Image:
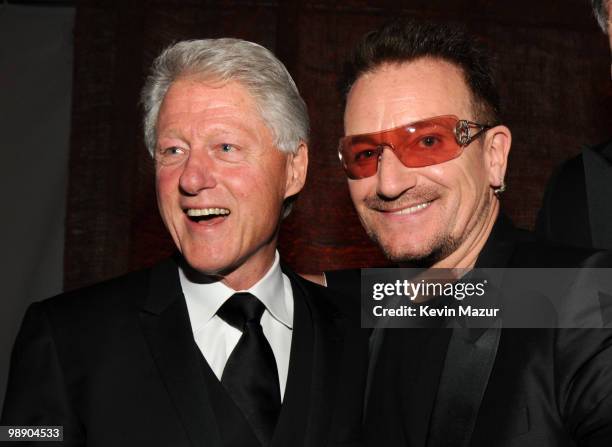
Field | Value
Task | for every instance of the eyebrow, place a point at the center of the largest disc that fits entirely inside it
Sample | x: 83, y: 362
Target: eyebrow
x: 367, y: 138
x: 233, y: 127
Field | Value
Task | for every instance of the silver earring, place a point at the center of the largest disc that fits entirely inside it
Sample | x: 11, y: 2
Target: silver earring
x: 502, y: 188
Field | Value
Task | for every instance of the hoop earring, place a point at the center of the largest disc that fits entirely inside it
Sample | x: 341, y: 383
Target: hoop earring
x: 500, y: 189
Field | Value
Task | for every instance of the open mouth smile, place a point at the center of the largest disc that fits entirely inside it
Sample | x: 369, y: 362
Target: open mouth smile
x: 206, y: 214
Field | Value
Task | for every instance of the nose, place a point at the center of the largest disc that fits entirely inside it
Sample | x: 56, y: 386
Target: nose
x: 199, y: 173
x: 393, y: 178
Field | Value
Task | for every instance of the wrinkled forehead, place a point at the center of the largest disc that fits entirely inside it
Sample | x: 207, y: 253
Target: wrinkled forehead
x: 202, y: 92
x: 396, y: 94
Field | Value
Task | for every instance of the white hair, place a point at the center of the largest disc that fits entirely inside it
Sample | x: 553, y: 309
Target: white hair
x: 600, y: 10
x: 253, y: 66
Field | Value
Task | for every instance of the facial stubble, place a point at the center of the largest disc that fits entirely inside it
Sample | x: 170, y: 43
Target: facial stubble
x: 441, y: 246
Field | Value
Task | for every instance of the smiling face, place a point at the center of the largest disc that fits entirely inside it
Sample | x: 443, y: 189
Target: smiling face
x: 435, y: 215
x: 220, y: 180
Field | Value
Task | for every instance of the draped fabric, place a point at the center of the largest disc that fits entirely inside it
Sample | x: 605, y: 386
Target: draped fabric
x: 553, y: 72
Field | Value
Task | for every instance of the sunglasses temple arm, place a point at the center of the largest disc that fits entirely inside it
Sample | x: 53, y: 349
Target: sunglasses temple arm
x: 482, y: 129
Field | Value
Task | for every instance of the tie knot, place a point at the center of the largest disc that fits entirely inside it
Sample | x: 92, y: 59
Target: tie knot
x: 240, y: 309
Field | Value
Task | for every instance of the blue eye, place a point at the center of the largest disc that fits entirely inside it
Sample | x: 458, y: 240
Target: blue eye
x: 172, y: 152
x: 171, y: 155
x: 225, y: 147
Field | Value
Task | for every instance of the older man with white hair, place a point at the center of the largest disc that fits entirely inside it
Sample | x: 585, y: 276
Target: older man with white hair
x: 222, y: 345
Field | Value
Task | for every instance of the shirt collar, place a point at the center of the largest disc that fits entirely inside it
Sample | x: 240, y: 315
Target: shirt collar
x: 204, y: 299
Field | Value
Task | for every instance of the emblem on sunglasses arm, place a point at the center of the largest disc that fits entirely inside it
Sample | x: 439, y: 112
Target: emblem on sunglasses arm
x: 462, y: 132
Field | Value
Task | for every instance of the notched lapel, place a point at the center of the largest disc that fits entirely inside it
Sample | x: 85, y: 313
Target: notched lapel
x: 166, y: 327
x: 467, y: 368
x: 316, y: 356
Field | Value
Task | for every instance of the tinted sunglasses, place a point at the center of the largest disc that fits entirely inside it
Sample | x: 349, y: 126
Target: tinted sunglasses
x: 424, y: 143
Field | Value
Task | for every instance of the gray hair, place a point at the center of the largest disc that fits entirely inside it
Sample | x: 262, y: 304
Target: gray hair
x: 600, y: 9
x: 255, y: 67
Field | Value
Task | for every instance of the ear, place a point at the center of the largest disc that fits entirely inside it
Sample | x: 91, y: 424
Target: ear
x: 297, y: 165
x: 496, y: 150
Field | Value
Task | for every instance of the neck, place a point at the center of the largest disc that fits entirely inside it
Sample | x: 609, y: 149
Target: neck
x: 241, y: 277
x: 250, y: 271
x: 466, y: 255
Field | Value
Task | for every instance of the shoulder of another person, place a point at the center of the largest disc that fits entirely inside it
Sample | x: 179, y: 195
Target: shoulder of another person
x: 604, y: 149
x: 344, y: 280
x: 538, y: 254
x: 328, y: 300
x: 569, y: 171
x: 583, y: 364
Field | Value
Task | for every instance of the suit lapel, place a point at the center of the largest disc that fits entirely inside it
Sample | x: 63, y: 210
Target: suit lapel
x: 469, y: 360
x: 316, y: 350
x: 166, y: 327
x: 291, y: 426
x: 470, y: 357
x: 374, y: 346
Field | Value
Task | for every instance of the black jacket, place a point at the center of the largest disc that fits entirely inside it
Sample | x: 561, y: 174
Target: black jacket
x: 577, y: 209
x: 116, y: 364
x: 495, y: 387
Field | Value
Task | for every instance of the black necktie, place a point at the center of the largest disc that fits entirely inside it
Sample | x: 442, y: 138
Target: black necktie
x: 250, y: 375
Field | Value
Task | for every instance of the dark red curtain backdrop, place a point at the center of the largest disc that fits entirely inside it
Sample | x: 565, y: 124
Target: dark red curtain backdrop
x: 553, y: 72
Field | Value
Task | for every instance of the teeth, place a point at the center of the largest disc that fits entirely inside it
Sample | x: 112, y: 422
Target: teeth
x: 207, y: 211
x: 413, y: 209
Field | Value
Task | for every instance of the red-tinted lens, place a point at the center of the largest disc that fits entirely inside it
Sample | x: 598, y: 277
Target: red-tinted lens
x: 419, y: 144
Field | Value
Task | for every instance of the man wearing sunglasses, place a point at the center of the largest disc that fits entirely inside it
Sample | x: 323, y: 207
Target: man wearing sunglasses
x: 425, y: 154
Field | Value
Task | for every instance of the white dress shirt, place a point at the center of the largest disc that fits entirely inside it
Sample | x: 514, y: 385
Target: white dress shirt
x: 216, y: 338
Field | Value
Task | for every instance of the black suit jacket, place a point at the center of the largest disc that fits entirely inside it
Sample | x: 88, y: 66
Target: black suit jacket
x: 495, y: 387
x: 576, y: 209
x: 116, y: 364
